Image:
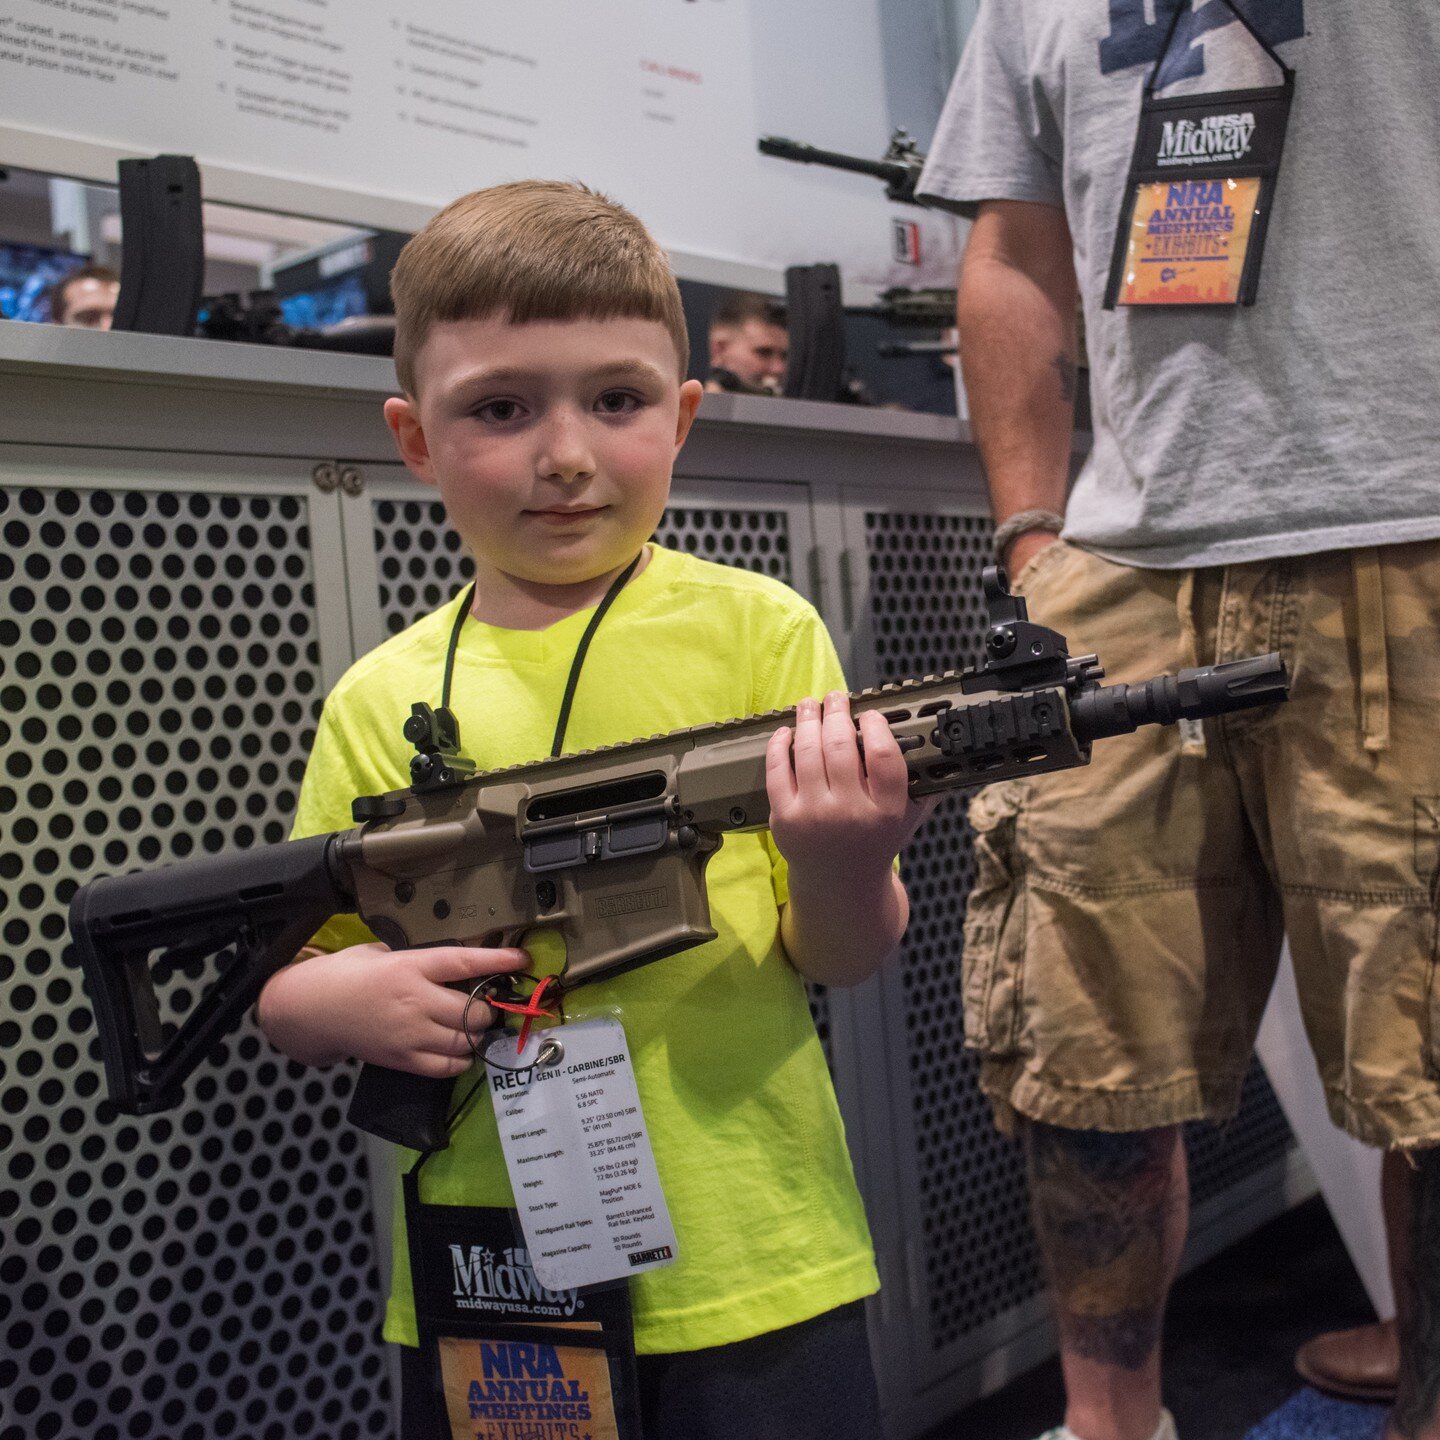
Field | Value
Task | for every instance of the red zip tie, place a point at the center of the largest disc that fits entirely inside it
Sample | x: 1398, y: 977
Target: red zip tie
x: 532, y: 1010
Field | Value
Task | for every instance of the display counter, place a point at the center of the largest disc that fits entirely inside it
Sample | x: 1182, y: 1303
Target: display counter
x: 160, y: 392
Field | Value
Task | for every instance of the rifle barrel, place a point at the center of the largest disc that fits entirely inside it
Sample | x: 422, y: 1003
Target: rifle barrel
x: 784, y: 149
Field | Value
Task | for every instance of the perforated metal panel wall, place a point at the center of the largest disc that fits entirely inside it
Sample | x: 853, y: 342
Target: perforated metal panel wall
x: 209, y: 1271
x: 1221, y: 1157
x: 980, y: 1261
x: 422, y: 565
x: 422, y: 562
x: 757, y: 540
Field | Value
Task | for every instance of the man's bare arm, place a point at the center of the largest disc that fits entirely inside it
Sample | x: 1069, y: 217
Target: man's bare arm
x: 1016, y: 315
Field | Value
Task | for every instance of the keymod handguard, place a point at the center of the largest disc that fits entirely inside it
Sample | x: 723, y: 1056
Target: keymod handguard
x: 608, y: 847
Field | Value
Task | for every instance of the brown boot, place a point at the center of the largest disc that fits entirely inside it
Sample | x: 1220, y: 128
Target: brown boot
x: 1361, y: 1364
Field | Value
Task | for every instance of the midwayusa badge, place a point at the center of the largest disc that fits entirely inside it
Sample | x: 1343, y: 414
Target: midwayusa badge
x: 1216, y: 137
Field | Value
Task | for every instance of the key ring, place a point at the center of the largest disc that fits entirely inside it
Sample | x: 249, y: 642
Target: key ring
x: 551, y: 1051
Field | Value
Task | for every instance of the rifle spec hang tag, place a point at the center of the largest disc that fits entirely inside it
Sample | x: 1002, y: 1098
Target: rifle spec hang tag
x: 578, y: 1155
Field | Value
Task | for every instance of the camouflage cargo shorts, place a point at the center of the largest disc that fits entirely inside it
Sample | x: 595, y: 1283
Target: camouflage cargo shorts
x: 1125, y: 926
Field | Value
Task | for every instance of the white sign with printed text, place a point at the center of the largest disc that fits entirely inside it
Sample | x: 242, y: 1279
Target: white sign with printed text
x: 658, y: 103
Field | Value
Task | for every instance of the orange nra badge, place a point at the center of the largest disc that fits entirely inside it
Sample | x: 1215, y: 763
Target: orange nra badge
x: 1187, y: 242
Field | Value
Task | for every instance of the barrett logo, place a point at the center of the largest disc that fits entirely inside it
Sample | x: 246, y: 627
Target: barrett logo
x: 635, y: 900
x: 486, y: 1281
x: 1216, y: 137
x: 646, y: 1257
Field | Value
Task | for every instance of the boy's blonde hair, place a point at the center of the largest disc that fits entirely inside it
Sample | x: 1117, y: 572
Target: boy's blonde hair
x: 531, y: 250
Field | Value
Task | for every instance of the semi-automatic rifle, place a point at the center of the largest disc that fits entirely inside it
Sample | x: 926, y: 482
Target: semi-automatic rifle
x: 932, y: 309
x: 899, y: 167
x: 608, y: 847
x: 905, y: 309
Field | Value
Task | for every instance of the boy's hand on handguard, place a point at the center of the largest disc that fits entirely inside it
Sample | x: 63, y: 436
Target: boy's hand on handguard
x: 833, y: 812
x: 839, y: 819
x: 394, y: 1008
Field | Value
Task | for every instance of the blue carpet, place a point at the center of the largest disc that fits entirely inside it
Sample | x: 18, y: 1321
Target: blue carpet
x: 1309, y: 1416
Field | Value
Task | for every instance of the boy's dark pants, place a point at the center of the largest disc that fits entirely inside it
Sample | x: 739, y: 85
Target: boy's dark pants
x: 812, y: 1379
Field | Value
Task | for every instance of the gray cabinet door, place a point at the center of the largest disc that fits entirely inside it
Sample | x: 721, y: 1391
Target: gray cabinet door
x: 956, y: 1241
x: 165, y: 644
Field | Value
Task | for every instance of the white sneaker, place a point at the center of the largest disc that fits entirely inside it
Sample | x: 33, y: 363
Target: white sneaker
x: 1165, y: 1430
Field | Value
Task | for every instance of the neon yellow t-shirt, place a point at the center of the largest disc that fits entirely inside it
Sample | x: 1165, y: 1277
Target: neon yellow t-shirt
x: 747, y: 1135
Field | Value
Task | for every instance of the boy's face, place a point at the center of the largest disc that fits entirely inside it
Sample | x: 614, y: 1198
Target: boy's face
x: 551, y: 443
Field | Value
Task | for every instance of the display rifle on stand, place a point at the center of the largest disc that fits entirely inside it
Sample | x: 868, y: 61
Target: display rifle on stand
x: 929, y: 309
x: 899, y: 167
x: 608, y: 846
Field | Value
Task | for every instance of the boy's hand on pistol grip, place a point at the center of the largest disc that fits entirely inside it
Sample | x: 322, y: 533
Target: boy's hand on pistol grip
x: 833, y: 811
x: 393, y: 1008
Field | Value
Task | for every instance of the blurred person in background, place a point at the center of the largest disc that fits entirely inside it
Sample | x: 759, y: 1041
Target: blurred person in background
x: 86, y: 298
x: 748, y: 345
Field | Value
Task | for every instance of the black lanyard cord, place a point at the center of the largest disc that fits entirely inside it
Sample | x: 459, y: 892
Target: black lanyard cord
x: 454, y: 645
x: 1240, y: 15
x: 611, y: 595
x: 461, y: 1110
x: 563, y: 721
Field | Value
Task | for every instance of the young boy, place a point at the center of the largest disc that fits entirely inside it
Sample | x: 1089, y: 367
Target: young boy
x: 542, y: 352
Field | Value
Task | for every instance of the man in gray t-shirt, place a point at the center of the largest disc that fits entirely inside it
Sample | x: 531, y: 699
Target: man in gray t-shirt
x: 1308, y: 422
x: 1261, y: 477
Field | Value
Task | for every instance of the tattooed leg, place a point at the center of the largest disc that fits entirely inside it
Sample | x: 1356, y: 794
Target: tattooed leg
x: 1109, y: 1212
x: 1417, y: 1405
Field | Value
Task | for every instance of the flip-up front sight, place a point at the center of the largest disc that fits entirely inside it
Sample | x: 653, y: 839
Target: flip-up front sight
x: 435, y: 734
